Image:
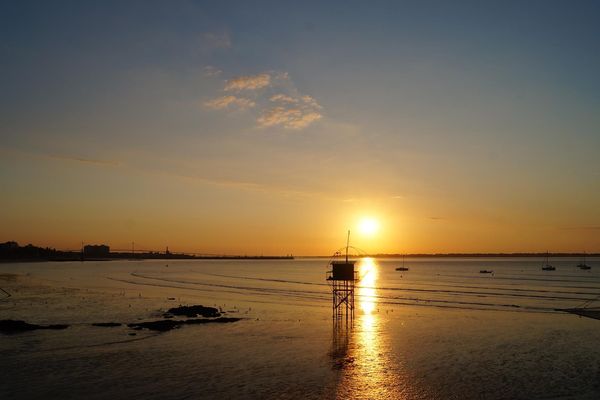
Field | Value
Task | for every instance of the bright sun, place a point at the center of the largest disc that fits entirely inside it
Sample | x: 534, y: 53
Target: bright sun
x: 368, y: 226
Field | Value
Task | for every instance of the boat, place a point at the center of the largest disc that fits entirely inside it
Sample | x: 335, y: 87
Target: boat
x: 583, y: 265
x: 546, y: 266
x: 402, y: 268
x: 486, y: 271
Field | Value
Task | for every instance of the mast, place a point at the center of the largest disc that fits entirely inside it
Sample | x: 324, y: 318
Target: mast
x: 347, y: 245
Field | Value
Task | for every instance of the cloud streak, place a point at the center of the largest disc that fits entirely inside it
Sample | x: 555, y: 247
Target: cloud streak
x: 216, y: 40
x: 283, y: 98
x: 211, y: 71
x: 277, y: 101
x: 291, y: 118
x: 86, y: 160
x: 292, y: 113
x: 582, y: 228
x: 248, y: 82
x: 227, y: 101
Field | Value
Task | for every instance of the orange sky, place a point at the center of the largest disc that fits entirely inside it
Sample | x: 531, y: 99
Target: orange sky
x: 74, y: 201
x: 239, y: 130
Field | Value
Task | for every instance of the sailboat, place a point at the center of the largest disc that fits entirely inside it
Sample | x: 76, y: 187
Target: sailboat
x: 583, y: 265
x: 546, y: 266
x: 402, y: 268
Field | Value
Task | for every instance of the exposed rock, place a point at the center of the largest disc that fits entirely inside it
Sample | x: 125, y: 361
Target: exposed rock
x: 194, y: 311
x: 221, y: 320
x: 161, y: 325
x: 167, y: 325
x: 107, y: 324
x: 9, y: 326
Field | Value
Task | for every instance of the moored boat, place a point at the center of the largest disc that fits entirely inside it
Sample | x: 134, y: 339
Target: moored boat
x: 583, y: 265
x: 402, y: 268
x: 546, y: 266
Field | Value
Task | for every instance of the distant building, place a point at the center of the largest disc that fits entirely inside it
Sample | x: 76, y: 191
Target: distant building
x: 96, y: 251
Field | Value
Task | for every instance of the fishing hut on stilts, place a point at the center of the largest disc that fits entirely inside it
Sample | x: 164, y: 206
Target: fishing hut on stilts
x: 342, y: 279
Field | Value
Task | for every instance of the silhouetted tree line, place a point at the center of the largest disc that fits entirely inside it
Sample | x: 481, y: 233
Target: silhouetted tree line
x: 12, y: 251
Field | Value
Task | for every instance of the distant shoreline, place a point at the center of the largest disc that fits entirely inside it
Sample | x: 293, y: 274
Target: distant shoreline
x: 12, y: 252
x: 141, y: 258
x: 467, y: 255
x: 75, y: 257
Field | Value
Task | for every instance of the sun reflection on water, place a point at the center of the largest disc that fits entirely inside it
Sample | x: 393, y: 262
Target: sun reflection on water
x: 367, y: 292
x: 367, y: 370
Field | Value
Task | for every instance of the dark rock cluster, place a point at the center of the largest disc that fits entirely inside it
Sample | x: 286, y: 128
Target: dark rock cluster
x: 209, y: 314
x: 107, y: 324
x: 9, y: 326
x: 168, y: 324
x: 193, y: 311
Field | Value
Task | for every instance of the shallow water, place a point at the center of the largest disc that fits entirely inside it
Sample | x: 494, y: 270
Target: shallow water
x: 441, y: 330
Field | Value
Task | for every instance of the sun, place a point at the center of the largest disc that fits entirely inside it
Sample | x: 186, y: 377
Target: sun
x: 368, y: 226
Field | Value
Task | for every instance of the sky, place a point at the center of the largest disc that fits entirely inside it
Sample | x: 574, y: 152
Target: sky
x: 274, y: 127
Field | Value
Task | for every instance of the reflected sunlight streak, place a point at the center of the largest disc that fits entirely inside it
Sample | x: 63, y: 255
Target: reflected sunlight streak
x: 367, y: 291
x: 372, y: 379
x: 372, y: 375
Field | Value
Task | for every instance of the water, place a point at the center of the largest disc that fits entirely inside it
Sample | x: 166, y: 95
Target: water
x: 441, y: 330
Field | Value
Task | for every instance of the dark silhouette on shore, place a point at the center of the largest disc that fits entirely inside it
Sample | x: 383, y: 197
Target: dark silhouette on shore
x: 11, y: 251
x: 209, y: 315
x: 10, y: 326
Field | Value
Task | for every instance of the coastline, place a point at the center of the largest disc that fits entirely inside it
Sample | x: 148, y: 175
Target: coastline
x: 77, y: 257
x: 467, y: 255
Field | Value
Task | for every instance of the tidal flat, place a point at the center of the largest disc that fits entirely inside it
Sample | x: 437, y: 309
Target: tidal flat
x: 438, y: 331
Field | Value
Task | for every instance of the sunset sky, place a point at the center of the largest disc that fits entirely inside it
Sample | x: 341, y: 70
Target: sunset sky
x: 273, y: 127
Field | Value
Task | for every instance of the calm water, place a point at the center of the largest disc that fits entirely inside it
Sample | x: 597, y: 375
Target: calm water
x: 439, y: 331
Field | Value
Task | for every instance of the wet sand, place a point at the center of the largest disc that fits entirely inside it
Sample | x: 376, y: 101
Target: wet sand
x: 438, y: 331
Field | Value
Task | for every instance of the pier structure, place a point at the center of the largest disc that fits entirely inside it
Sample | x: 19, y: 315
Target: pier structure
x: 342, y: 279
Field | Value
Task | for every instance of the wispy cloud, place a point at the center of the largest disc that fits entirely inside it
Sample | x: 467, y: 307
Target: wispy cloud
x: 248, y: 82
x: 311, y: 102
x: 58, y: 157
x: 296, y: 113
x: 283, y: 98
x: 227, y: 101
x: 211, y: 71
x: 216, y: 40
x: 291, y: 118
x: 582, y: 228
x: 282, y: 105
x: 85, y: 160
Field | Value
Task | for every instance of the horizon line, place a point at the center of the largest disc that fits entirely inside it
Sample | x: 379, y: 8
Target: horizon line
x: 374, y: 255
